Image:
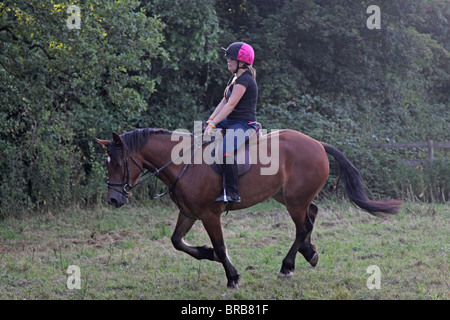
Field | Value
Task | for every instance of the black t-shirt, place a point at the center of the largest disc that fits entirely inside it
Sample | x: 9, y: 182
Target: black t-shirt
x: 246, y: 107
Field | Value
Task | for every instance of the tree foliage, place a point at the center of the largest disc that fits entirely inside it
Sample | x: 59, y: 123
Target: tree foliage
x: 158, y: 63
x: 61, y: 87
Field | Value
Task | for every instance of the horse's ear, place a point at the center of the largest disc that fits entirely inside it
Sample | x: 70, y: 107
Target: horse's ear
x: 117, y: 139
x: 104, y: 143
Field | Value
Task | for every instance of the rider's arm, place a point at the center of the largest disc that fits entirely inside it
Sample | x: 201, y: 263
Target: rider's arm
x: 228, y: 107
x: 217, y: 110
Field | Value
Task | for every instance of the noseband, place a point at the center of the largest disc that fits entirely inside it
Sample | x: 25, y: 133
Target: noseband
x: 126, y: 187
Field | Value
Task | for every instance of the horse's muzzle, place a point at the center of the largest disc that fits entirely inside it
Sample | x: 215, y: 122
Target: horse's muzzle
x: 117, y: 200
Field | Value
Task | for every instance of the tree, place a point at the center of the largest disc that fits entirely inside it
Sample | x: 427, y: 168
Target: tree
x: 62, y: 87
x: 187, y: 72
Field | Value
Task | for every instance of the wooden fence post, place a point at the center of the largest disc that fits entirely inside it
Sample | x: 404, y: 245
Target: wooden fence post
x: 430, y: 153
x: 430, y: 144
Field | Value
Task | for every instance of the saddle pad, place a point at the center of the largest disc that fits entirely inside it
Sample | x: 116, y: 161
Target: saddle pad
x: 241, y: 157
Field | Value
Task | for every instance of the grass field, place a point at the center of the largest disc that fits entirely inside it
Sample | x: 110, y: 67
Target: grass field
x: 127, y: 254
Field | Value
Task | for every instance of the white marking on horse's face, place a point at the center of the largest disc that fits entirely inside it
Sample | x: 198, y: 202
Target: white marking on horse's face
x: 108, y: 159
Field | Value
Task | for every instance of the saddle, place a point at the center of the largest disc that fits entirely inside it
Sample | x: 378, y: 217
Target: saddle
x: 242, y: 155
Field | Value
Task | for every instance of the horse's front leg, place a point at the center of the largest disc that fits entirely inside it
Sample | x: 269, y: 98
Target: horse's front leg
x: 212, y: 224
x: 184, y: 224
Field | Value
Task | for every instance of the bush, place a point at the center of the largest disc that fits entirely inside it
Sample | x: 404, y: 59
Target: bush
x: 157, y: 63
x: 424, y: 183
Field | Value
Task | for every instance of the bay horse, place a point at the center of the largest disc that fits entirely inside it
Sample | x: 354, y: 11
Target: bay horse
x: 302, y: 172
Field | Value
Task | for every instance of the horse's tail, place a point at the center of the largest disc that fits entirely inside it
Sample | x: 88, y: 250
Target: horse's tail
x: 354, y: 186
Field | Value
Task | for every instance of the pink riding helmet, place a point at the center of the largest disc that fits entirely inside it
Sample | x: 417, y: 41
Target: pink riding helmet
x: 240, y: 51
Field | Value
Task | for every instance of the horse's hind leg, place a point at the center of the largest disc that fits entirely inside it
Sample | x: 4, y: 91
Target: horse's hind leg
x: 184, y: 224
x: 298, y: 215
x: 307, y: 249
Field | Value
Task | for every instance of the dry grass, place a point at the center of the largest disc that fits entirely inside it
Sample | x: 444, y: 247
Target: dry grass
x: 127, y: 254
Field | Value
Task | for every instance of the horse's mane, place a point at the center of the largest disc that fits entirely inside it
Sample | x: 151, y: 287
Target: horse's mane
x: 133, y: 141
x: 136, y: 139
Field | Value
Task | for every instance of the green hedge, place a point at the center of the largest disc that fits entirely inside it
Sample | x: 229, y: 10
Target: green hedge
x: 158, y: 63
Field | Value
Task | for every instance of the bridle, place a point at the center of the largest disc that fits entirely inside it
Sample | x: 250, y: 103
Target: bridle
x: 126, y: 187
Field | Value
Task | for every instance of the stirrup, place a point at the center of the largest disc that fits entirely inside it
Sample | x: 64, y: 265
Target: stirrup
x: 227, y: 199
x: 222, y: 198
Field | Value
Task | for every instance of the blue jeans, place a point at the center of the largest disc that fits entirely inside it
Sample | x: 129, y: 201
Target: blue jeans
x: 236, y: 134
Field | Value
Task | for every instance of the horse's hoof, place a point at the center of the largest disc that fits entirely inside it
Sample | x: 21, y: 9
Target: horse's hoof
x: 313, y: 261
x: 233, y: 283
x: 285, y: 274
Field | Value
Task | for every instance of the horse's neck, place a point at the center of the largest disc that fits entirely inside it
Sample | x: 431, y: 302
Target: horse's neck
x: 158, y: 153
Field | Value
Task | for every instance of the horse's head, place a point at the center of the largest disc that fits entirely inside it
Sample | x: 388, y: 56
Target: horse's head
x: 122, y: 174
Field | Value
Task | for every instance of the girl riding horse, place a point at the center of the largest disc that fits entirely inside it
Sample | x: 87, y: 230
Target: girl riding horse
x: 236, y: 111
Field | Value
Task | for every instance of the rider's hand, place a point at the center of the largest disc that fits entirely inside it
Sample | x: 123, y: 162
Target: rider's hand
x: 206, y: 124
x: 208, y: 130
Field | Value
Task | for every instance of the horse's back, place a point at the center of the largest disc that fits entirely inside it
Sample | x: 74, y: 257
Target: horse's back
x: 299, y: 143
x: 304, y: 157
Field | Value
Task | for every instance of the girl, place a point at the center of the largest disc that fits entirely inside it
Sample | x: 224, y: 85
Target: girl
x: 237, y: 110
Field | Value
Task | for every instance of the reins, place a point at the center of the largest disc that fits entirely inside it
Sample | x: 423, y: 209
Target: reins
x: 127, y: 188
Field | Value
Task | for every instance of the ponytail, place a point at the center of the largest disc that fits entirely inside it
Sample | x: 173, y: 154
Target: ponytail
x: 251, y: 70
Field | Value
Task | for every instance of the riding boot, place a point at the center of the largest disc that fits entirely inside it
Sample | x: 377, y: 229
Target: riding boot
x: 230, y: 189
